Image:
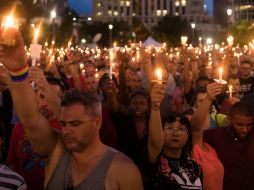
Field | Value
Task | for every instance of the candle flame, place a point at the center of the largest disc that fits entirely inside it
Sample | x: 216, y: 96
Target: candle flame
x: 9, y: 21
x: 159, y: 74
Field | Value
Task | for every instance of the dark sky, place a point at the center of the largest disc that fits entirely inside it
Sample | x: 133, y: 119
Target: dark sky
x: 85, y: 6
x: 81, y: 6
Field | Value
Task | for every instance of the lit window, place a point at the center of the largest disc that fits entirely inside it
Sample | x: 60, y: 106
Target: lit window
x: 165, y: 12
x: 110, y: 12
x: 158, y: 12
x: 176, y: 14
x: 133, y: 14
x: 128, y: 3
x: 122, y: 3
x: 99, y: 14
x: 99, y: 4
x: 177, y: 3
x: 183, y: 2
x: 115, y: 13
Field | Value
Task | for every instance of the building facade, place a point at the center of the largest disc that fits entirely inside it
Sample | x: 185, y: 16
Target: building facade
x: 243, y: 10
x: 151, y: 11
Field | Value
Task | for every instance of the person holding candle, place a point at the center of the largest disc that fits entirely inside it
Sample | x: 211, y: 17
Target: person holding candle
x: 76, y: 158
x: 170, y: 148
x: 227, y: 104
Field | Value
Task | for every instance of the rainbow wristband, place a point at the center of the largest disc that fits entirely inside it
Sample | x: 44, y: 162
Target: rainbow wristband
x: 19, y: 74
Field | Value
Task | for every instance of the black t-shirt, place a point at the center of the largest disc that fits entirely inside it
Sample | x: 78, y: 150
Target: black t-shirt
x: 237, y: 157
x: 247, y: 85
x: 177, y: 174
x: 128, y: 140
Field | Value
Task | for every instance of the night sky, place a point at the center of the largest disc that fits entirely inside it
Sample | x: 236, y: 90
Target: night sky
x: 85, y: 6
x: 81, y: 6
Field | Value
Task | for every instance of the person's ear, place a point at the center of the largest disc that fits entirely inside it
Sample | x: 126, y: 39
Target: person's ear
x: 97, y: 122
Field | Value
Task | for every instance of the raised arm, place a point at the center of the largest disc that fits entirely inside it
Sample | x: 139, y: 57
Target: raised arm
x: 109, y: 89
x: 54, y: 101
x: 36, y: 126
x: 199, y: 116
x: 155, y: 131
x: 186, y: 73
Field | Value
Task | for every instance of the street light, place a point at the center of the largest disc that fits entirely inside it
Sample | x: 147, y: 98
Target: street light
x: 110, y: 26
x: 229, y: 12
x: 193, y: 26
x: 53, y: 17
x: 229, y: 18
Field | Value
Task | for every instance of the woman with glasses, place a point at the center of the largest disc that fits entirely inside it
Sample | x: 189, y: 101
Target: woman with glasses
x: 170, y: 148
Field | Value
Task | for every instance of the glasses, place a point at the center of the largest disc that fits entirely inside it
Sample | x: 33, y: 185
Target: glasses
x: 181, y: 129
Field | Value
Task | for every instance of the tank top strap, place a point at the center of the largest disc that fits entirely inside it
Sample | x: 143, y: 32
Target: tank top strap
x: 96, y: 180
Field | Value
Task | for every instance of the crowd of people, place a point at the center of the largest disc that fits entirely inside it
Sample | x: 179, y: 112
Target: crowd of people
x: 90, y: 118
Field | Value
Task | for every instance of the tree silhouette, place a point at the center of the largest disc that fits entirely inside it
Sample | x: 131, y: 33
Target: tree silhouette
x: 170, y: 29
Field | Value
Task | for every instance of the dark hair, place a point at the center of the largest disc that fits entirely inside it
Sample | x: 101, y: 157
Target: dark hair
x: 90, y: 101
x: 241, y: 108
x: 140, y: 92
x: 60, y: 82
x: 201, y: 78
x: 188, y: 147
x: 198, y: 91
x: 246, y: 62
x: 2, y: 130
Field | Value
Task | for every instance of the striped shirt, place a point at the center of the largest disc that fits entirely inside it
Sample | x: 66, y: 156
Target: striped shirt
x: 10, y: 180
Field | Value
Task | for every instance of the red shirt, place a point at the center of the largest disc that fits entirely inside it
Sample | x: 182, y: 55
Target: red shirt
x: 24, y: 161
x: 237, y: 157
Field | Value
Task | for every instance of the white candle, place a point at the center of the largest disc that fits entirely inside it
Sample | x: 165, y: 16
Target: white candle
x: 159, y: 76
x: 7, y: 36
x: 36, y: 35
x: 230, y: 91
x: 184, y: 40
x: 230, y: 40
x: 220, y: 74
x: 111, y: 56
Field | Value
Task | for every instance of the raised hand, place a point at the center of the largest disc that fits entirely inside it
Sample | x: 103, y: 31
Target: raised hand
x: 213, y: 90
x: 157, y: 95
x: 36, y: 75
x: 13, y: 57
x: 108, y: 86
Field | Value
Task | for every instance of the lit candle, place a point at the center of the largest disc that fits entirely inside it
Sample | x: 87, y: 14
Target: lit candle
x: 81, y: 66
x: 230, y: 91
x: 111, y: 56
x: 184, y: 40
x: 69, y: 44
x: 35, y: 47
x: 7, y: 36
x: 159, y: 76
x: 230, y: 40
x: 36, y: 35
x: 220, y: 74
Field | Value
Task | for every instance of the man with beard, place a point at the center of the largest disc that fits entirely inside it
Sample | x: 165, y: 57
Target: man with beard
x: 76, y: 159
x: 21, y: 158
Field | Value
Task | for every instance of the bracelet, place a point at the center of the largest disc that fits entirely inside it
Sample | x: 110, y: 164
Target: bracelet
x: 19, y: 74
